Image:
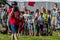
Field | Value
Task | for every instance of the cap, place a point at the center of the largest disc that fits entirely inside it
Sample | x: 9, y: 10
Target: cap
x: 14, y: 3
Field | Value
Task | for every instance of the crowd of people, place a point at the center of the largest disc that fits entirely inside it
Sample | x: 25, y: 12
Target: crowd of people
x: 27, y: 22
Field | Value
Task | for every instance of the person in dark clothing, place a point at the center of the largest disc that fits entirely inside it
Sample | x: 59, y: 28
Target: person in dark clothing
x: 4, y: 29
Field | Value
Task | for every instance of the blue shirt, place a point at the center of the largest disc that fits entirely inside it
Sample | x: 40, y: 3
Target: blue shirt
x: 41, y: 20
x: 58, y: 18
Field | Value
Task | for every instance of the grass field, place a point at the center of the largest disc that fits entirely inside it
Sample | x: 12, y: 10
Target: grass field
x: 54, y: 37
x: 8, y: 37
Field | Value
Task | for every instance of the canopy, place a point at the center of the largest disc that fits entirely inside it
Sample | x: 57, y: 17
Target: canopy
x: 35, y: 0
x: 28, y: 0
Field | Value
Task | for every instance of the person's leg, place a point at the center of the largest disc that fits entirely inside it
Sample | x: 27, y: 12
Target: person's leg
x: 52, y: 21
x: 14, y: 31
x: 41, y: 27
x: 12, y: 37
x: 55, y: 21
x: 35, y: 30
x: 31, y: 30
x: 15, y: 36
x: 29, y: 26
x: 39, y: 30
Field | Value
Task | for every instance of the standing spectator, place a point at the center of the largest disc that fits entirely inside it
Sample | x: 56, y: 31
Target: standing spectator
x: 21, y: 24
x: 14, y: 15
x: 54, y: 15
x: 40, y: 23
x: 49, y: 22
x: 36, y: 29
x: 45, y: 16
x: 30, y: 23
x: 26, y: 23
x: 58, y: 23
x: 4, y: 29
x: 4, y: 13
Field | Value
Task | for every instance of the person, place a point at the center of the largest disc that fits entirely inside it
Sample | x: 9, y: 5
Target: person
x: 30, y: 23
x: 45, y: 29
x: 21, y: 24
x: 45, y: 16
x: 14, y: 15
x: 4, y: 13
x: 58, y: 23
x: 4, y: 29
x: 36, y: 29
x: 26, y: 23
x: 49, y: 22
x: 54, y: 15
x: 40, y: 23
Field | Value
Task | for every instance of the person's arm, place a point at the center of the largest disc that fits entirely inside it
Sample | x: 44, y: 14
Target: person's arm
x: 10, y: 14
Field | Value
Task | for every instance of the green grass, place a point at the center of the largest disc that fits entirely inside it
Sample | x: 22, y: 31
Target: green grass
x: 54, y: 37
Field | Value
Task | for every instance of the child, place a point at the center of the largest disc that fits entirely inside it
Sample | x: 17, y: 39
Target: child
x: 58, y: 23
x: 40, y: 23
x: 4, y: 29
x: 49, y: 22
x: 21, y: 26
x: 30, y: 23
x: 45, y: 16
x: 45, y: 30
x: 26, y: 23
x: 36, y: 29
x: 54, y: 15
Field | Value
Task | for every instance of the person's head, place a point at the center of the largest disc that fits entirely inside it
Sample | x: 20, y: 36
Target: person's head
x: 32, y: 12
x: 49, y: 12
x: 28, y: 11
x: 24, y: 8
x: 22, y: 12
x: 43, y: 10
x: 41, y: 14
x: 55, y: 5
x: 54, y: 9
x: 4, y: 23
x: 14, y: 4
x: 37, y: 10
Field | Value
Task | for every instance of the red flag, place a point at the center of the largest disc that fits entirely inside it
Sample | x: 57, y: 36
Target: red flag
x: 31, y: 3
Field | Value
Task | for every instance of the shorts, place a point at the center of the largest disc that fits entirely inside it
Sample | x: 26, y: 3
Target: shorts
x: 41, y: 27
x: 58, y: 24
x: 36, y: 28
x: 26, y: 24
x: 14, y: 28
x: 30, y: 26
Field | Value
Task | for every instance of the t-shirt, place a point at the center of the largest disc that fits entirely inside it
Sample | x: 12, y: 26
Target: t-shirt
x: 58, y: 18
x: 55, y: 14
x: 40, y: 20
x: 45, y: 16
x: 14, y: 19
x: 30, y: 18
x: 49, y: 19
x: 25, y: 16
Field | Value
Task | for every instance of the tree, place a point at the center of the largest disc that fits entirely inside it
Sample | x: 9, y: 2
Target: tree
x: 2, y: 1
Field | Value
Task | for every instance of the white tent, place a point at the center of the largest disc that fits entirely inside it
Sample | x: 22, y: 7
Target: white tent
x: 28, y: 0
x: 48, y: 4
x: 35, y: 0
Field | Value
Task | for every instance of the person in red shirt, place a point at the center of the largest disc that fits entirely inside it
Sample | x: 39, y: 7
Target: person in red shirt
x: 14, y: 15
x: 21, y: 24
